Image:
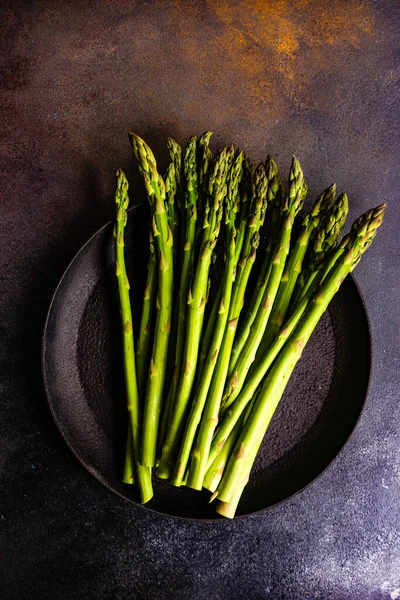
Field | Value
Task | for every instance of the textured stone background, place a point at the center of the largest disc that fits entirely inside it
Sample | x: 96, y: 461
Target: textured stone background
x: 319, y: 79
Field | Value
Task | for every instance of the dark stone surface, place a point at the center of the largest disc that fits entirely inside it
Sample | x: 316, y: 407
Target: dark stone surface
x: 317, y: 79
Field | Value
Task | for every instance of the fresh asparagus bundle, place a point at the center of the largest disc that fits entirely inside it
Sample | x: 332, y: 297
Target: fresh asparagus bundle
x: 275, y: 212
x: 200, y: 396
x: 196, y: 301
x: 293, y: 205
x: 243, y: 455
x: 210, y: 415
x: 243, y: 216
x: 240, y: 401
x: 294, y: 265
x: 332, y: 223
x: 208, y: 393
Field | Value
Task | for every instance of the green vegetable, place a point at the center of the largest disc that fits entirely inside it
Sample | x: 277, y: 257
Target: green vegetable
x: 146, y: 329
x: 208, y: 390
x: 242, y: 457
x: 155, y: 189
x: 293, y: 204
x: 200, y: 396
x: 196, y: 301
x: 136, y: 472
x: 209, y: 419
x: 294, y: 264
x: 274, y: 215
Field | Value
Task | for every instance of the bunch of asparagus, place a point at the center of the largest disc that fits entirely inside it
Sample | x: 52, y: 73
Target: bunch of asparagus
x: 206, y: 377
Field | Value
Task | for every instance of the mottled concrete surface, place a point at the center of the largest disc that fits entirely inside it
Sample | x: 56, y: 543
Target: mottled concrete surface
x: 319, y: 79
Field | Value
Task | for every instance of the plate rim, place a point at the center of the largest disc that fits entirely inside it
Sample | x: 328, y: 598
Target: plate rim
x: 94, y: 473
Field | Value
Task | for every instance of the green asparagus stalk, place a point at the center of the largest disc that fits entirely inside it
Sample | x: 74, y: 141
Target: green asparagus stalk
x: 294, y: 264
x: 228, y: 509
x: 208, y: 334
x: 204, y: 163
x: 240, y: 463
x: 191, y: 198
x: 216, y: 467
x: 171, y: 190
x: 247, y: 202
x: 199, y: 400
x: 274, y: 199
x: 233, y: 410
x: 129, y: 464
x: 327, y: 236
x: 175, y: 152
x: 293, y: 203
x: 209, y: 417
x: 188, y: 212
x: 215, y: 471
x: 195, y: 311
x: 142, y: 475
x: 244, y: 197
x: 155, y: 188
x: 145, y: 331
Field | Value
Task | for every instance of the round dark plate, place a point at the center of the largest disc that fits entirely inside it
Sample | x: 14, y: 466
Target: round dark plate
x: 82, y: 367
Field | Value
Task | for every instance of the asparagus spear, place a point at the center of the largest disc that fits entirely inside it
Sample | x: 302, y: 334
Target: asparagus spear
x: 325, y: 241
x: 216, y: 466
x: 293, y: 203
x: 189, y: 167
x: 228, y: 509
x: 208, y: 334
x: 209, y: 418
x: 240, y: 463
x: 294, y: 264
x: 274, y: 199
x: 204, y: 162
x: 171, y: 190
x: 129, y: 464
x: 155, y: 188
x: 149, y: 299
x: 330, y: 229
x: 141, y: 474
x: 248, y: 202
x: 188, y: 213
x: 195, y: 311
x: 175, y: 152
x: 199, y: 400
x: 244, y: 197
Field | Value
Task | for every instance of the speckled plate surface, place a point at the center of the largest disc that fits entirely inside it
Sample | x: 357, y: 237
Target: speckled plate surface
x: 84, y: 383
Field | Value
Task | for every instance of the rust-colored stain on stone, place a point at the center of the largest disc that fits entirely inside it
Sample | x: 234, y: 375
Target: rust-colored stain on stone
x: 277, y: 77
x: 271, y: 45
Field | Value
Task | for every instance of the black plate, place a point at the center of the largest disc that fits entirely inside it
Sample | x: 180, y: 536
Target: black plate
x: 84, y: 383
